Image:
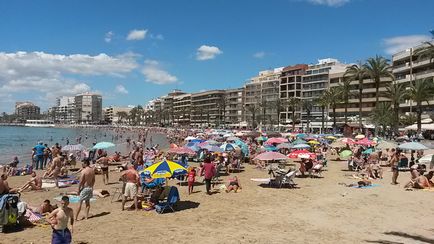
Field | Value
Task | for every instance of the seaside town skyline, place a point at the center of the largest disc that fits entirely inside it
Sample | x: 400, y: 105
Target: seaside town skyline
x: 143, y: 58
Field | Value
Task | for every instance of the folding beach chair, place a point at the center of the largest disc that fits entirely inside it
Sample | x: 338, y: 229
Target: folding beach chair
x: 172, y: 199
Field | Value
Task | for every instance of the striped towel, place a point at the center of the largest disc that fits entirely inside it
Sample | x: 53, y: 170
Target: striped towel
x: 32, y: 216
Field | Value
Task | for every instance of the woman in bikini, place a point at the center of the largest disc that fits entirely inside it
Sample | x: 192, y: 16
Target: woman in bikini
x: 234, y: 184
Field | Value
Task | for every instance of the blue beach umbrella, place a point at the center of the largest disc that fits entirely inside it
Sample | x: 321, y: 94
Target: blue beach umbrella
x: 269, y: 148
x: 368, y: 151
x: 243, y: 146
x: 299, y: 141
x: 103, y: 145
x: 228, y: 147
x: 301, y: 146
x: 212, y: 148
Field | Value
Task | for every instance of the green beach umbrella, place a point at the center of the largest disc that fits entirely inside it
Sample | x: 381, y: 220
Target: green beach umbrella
x: 345, y: 154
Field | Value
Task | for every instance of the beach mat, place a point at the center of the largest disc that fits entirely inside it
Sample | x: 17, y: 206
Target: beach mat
x: 430, y: 190
x: 262, y: 180
x: 366, y: 187
x: 73, y: 198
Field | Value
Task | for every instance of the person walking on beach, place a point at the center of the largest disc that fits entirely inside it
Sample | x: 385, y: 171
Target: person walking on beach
x: 59, y: 223
x: 104, y: 162
x: 208, y: 172
x: 131, y: 177
x: 85, y: 188
x: 38, y: 154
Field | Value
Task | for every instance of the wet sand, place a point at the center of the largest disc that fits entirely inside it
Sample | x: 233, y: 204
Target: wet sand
x: 319, y: 211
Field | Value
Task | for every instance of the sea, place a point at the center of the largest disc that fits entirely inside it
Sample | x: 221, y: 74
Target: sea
x: 19, y: 141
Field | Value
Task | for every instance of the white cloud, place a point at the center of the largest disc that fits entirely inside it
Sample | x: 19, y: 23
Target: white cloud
x: 109, y: 36
x: 259, y: 54
x: 400, y: 43
x: 205, y: 52
x: 157, y: 75
x: 49, y: 75
x: 136, y: 35
x: 121, y: 89
x: 330, y: 3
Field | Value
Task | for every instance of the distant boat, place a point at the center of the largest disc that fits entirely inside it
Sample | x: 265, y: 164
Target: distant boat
x: 39, y: 123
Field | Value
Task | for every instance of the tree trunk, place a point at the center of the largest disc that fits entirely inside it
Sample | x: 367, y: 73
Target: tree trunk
x: 377, y: 95
x: 396, y: 122
x: 308, y: 122
x: 419, y: 117
x: 334, y: 117
x: 322, y: 119
x: 293, y: 120
x: 346, y: 109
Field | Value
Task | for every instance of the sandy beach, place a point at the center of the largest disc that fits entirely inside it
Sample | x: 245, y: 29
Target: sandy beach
x: 319, y: 211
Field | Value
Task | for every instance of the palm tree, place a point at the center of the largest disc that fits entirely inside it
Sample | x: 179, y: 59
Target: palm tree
x: 263, y: 105
x: 334, y: 97
x: 323, y: 103
x: 345, y: 93
x: 396, y: 93
x: 357, y: 72
x: 293, y: 103
x: 425, y: 52
x: 121, y: 115
x: 420, y: 91
x: 307, y: 105
x: 381, y: 114
x: 377, y: 68
x: 253, y: 109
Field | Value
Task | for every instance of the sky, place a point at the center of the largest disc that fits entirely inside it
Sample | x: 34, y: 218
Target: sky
x: 134, y: 51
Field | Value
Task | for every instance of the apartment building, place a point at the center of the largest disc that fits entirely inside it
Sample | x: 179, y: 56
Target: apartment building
x: 233, y: 112
x: 291, y: 87
x: 27, y: 110
x: 64, y: 111
x: 206, y: 108
x: 182, y: 109
x: 262, y: 93
x: 408, y: 67
x: 116, y: 115
x: 88, y: 108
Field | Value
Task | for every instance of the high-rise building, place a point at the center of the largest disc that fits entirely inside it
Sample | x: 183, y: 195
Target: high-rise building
x: 233, y: 112
x: 88, y: 108
x: 206, y: 108
x: 290, y: 87
x: 261, y: 95
x: 64, y: 111
x: 27, y: 110
x: 182, y: 109
x: 407, y: 67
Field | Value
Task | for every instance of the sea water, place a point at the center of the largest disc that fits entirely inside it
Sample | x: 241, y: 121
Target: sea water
x: 19, y: 141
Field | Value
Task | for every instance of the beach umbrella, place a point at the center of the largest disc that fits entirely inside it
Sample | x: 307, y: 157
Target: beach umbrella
x: 299, y: 141
x: 386, y: 145
x: 213, y: 148
x: 345, y: 153
x: 276, y: 140
x: 301, y: 135
x: 213, y: 142
x: 412, y: 146
x: 103, y: 145
x: 243, y: 146
x: 268, y: 148
x: 338, y: 144
x: 173, y: 145
x: 76, y: 147
x: 294, y: 154
x: 368, y: 151
x: 165, y: 169
x: 312, y: 142
x: 274, y: 134
x: 228, y: 135
x: 347, y: 140
x: 330, y: 137
x: 189, y: 138
x: 301, y: 146
x: 360, y: 136
x: 261, y: 138
x: 307, y: 155
x: 232, y: 138
x: 182, y: 150
x: 284, y: 145
x: 365, y: 142
x: 228, y: 147
x: 267, y: 156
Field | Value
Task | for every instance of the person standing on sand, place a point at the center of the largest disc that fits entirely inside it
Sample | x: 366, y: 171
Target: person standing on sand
x: 38, y: 153
x: 394, y: 166
x: 104, y: 162
x: 131, y: 177
x: 59, y: 222
x: 85, y: 187
x: 208, y: 172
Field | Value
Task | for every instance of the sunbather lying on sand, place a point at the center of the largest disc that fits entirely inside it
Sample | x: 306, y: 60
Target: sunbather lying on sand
x: 45, y: 208
x: 360, y: 183
x: 421, y: 182
x: 96, y: 192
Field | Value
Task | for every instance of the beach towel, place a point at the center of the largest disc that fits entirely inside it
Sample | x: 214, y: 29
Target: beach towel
x: 430, y: 189
x: 365, y: 187
x: 48, y: 185
x: 73, y: 198
x: 32, y: 216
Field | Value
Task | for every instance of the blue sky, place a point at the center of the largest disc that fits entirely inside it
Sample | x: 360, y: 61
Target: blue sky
x: 133, y: 51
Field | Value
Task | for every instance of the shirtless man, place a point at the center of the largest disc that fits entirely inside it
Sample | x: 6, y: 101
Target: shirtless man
x: 85, y: 187
x: 421, y: 182
x: 4, y: 186
x: 35, y: 183
x: 131, y: 177
x: 56, y: 168
x: 59, y: 222
x: 104, y: 162
x: 394, y: 166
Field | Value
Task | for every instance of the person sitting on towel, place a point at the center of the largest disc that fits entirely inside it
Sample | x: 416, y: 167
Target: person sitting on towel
x: 421, y: 182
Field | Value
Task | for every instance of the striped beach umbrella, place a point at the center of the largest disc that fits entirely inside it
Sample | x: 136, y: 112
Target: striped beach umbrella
x: 165, y: 169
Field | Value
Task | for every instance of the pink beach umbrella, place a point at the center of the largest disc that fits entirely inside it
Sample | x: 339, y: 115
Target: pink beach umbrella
x: 182, y: 150
x: 347, y: 140
x: 365, y: 142
x: 276, y: 140
x: 268, y: 156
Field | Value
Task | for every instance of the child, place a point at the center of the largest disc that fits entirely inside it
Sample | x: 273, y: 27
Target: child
x: 191, y: 178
